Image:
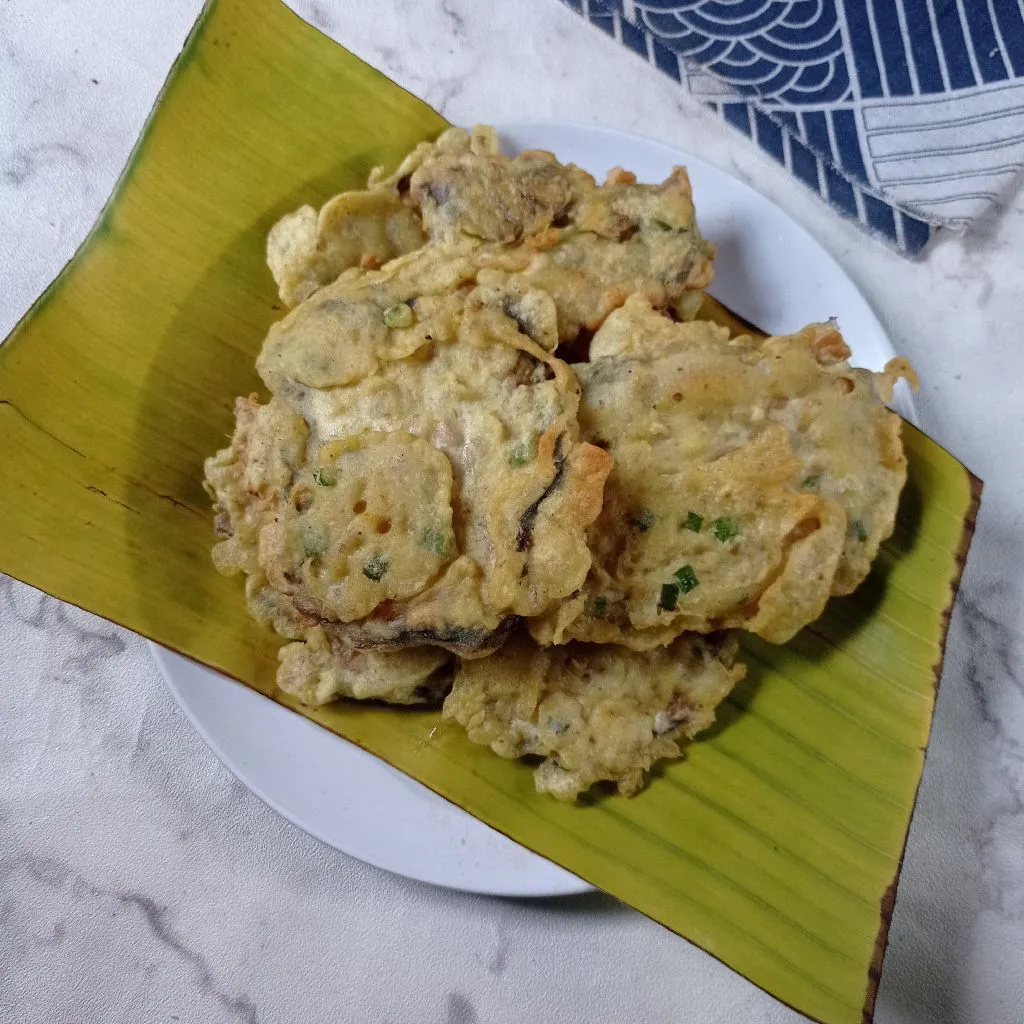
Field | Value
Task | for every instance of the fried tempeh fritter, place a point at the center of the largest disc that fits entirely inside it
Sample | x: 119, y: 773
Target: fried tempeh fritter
x: 751, y: 480
x: 594, y: 713
x: 548, y: 224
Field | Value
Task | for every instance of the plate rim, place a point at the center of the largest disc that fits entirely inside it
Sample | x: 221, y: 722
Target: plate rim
x: 564, y: 883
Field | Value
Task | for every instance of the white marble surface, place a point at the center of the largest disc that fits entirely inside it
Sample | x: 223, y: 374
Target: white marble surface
x: 139, y: 882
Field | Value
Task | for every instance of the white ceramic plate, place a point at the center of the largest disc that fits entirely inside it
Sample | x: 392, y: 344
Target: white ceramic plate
x: 768, y: 270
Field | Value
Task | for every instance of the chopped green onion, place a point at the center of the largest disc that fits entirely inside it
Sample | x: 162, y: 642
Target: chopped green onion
x: 314, y: 543
x: 375, y: 568
x: 519, y: 454
x: 398, y: 315
x: 600, y: 605
x: 725, y: 529
x: 687, y: 578
x: 558, y: 727
x: 323, y: 477
x: 860, y: 531
x: 437, y: 541
x: 644, y: 519
x: 663, y: 225
x: 692, y: 522
x: 669, y: 597
x: 813, y: 480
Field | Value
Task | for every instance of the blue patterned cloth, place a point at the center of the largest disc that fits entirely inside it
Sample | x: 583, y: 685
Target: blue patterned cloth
x: 906, y: 115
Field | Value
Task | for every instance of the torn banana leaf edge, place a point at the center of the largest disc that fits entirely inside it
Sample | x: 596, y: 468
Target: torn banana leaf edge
x: 184, y: 54
x: 888, y: 902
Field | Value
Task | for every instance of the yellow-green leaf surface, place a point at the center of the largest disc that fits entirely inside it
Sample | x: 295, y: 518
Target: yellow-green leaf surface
x: 775, y: 845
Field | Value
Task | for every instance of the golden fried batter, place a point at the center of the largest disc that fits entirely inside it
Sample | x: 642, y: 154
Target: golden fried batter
x: 249, y: 479
x: 326, y: 667
x: 593, y: 713
x: 306, y: 250
x: 465, y: 187
x: 751, y: 480
x: 355, y: 531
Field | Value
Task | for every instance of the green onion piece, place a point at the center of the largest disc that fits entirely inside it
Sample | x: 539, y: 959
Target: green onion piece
x: 398, y: 315
x: 725, y: 529
x: 643, y: 520
x: 375, y: 568
x: 860, y: 531
x: 692, y: 522
x: 323, y: 477
x: 600, y: 605
x: 437, y: 541
x: 812, y: 481
x: 687, y: 578
x: 519, y: 454
x: 314, y: 543
x: 669, y: 597
x: 558, y: 727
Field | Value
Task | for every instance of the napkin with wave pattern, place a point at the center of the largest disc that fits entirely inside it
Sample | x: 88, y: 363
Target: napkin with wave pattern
x: 905, y: 115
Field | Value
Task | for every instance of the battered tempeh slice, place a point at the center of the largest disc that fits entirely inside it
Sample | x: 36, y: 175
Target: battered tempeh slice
x: 593, y: 713
x: 588, y: 246
x: 751, y: 480
x: 426, y: 483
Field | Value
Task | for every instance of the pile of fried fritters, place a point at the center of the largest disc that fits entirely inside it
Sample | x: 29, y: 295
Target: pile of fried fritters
x: 503, y: 464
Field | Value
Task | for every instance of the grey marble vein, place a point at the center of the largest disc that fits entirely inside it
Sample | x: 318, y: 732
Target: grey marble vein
x: 70, y: 888
x: 995, y: 659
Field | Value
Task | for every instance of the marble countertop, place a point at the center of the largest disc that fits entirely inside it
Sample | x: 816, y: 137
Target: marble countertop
x: 140, y: 882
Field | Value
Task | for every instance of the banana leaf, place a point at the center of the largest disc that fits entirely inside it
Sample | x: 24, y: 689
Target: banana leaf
x: 775, y: 845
